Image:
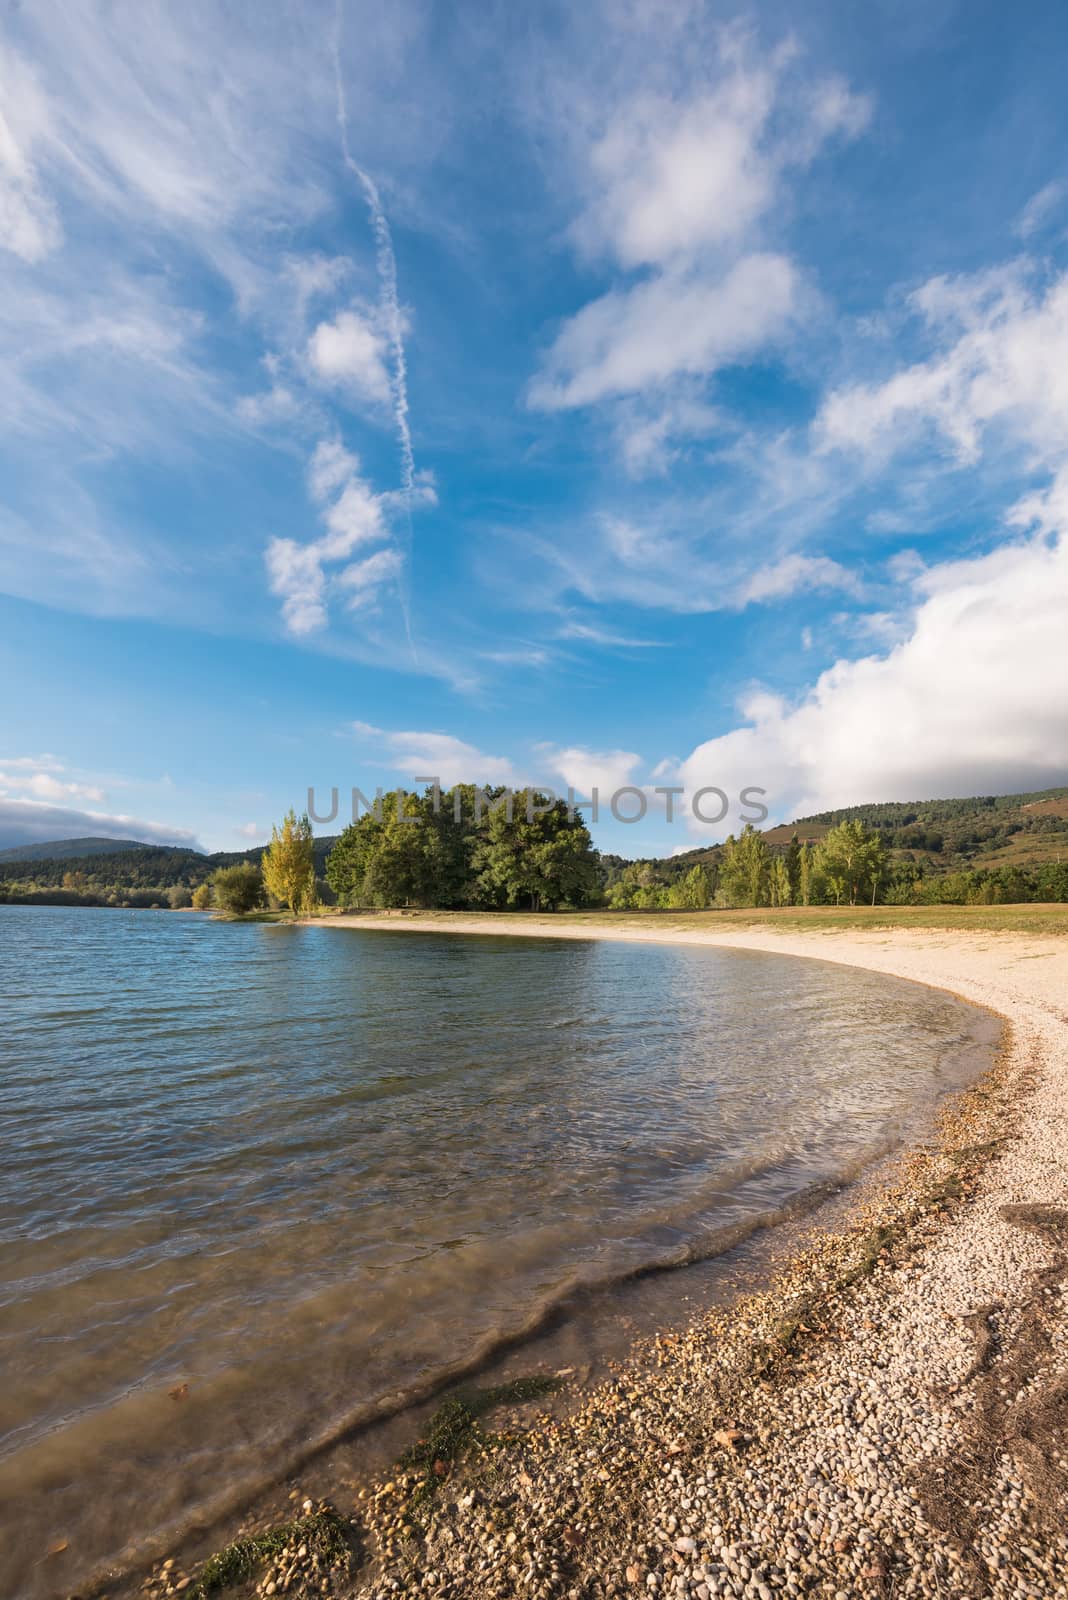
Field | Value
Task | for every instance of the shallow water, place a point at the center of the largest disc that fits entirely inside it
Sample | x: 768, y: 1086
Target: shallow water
x: 256, y: 1179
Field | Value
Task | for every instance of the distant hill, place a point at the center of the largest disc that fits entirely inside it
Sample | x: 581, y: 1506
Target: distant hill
x: 927, y: 837
x: 75, y: 849
x: 991, y: 830
x: 107, y: 868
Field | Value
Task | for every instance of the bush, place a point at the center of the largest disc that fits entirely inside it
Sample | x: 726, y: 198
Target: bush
x: 238, y: 890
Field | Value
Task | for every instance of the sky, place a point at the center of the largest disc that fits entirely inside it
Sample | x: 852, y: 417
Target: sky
x: 664, y: 395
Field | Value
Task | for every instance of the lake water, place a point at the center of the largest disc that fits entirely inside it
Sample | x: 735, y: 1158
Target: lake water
x: 257, y: 1178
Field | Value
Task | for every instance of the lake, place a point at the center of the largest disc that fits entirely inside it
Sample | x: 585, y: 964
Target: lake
x: 258, y: 1179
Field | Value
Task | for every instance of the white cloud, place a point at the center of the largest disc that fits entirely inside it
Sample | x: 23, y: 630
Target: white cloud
x: 671, y: 177
x: 1003, y: 360
x: 363, y: 579
x: 42, y: 763
x: 355, y: 518
x: 970, y: 702
x: 651, y: 436
x: 296, y: 572
x: 29, y: 223
x: 584, y: 770
x: 679, y: 561
x: 329, y: 468
x: 682, y: 186
x: 43, y: 786
x: 592, y: 633
x: 249, y: 830
x: 675, y: 323
x: 1040, y: 208
x: 441, y: 755
x: 274, y: 405
x: 793, y: 574
x: 351, y: 351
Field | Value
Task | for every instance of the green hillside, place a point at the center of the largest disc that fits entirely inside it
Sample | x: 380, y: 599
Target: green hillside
x: 1001, y: 847
x: 129, y: 874
x: 72, y: 849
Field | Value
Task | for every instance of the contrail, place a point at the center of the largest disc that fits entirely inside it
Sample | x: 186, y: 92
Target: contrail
x: 386, y: 262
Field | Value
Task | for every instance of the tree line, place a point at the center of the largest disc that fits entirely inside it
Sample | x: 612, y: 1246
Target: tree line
x: 473, y: 849
x: 847, y: 866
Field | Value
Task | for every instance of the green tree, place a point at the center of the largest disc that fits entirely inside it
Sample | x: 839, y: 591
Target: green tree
x: 348, y: 861
x: 238, y: 889
x: 805, y: 874
x: 288, y: 863
x: 540, y: 856
x: 179, y: 897
x: 779, y: 883
x: 202, y: 896
x: 793, y: 870
x: 692, y: 892
x: 852, y: 861
x: 745, y: 869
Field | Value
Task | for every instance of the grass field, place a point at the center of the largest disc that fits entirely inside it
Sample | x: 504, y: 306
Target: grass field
x: 1029, y: 919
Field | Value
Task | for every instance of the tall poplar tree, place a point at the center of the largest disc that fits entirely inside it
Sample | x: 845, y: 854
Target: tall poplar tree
x: 288, y: 864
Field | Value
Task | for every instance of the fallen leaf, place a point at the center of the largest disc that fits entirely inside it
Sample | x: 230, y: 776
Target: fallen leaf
x: 58, y: 1547
x: 180, y: 1392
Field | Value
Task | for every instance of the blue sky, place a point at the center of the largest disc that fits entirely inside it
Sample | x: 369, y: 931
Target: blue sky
x: 618, y: 394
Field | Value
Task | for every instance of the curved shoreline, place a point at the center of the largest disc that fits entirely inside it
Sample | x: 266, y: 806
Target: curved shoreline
x: 906, y: 1439
x: 835, y: 1433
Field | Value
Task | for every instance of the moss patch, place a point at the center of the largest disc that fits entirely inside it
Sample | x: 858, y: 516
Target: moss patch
x: 454, y: 1429
x: 324, y: 1533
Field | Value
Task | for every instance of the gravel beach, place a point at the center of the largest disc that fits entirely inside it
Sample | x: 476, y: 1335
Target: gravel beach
x: 888, y: 1418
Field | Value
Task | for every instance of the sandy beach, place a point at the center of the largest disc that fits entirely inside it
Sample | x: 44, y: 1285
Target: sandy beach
x: 889, y: 1418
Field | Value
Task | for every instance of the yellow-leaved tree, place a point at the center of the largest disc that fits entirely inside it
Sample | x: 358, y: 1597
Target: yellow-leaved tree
x: 288, y: 863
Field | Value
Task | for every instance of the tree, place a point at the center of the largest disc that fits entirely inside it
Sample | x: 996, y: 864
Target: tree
x: 238, y: 889
x: 793, y: 869
x: 692, y: 892
x: 202, y: 896
x: 805, y: 874
x: 179, y: 897
x: 288, y: 863
x: 542, y: 855
x: 745, y: 868
x: 779, y: 883
x: 348, y: 861
x: 852, y: 860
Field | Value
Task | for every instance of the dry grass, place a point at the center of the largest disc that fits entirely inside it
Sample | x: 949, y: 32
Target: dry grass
x: 1038, y: 920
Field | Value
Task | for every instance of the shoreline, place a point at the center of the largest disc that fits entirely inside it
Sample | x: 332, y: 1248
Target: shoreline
x: 832, y: 1433
x: 923, y: 1401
